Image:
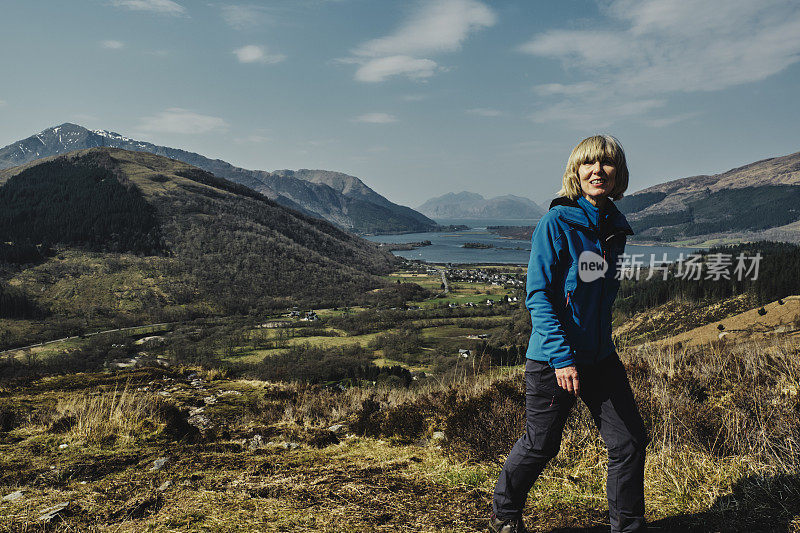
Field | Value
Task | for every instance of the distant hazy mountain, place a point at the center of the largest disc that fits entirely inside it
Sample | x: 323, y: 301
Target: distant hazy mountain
x: 344, y: 200
x: 469, y: 205
x: 760, y: 200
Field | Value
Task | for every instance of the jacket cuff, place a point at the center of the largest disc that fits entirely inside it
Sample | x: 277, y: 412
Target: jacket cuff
x: 562, y: 361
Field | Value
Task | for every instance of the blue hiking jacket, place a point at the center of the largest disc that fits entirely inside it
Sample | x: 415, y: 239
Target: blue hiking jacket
x: 570, y: 313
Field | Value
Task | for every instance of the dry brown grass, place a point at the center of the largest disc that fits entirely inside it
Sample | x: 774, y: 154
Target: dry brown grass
x: 724, y: 421
x: 109, y: 416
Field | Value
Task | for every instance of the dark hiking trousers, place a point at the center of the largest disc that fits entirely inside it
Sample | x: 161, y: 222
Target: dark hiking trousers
x: 605, y: 390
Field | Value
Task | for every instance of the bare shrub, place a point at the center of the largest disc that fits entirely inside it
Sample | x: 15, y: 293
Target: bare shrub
x: 484, y: 427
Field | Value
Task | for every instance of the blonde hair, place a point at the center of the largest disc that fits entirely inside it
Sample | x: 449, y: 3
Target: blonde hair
x: 595, y: 148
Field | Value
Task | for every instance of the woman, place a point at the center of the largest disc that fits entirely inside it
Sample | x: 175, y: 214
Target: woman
x: 571, y: 287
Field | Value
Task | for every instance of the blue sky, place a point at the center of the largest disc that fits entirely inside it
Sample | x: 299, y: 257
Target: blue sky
x: 416, y: 98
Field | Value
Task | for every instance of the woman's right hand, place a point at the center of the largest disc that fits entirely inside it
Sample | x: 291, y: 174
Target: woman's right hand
x: 567, y: 378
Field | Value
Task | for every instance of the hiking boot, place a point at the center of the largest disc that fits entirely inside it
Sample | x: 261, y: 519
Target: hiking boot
x: 515, y: 525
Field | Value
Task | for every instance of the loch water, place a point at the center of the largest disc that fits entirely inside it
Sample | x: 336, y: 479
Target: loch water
x: 448, y: 247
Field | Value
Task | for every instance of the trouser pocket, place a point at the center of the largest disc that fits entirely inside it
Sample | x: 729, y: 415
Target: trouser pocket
x: 546, y: 408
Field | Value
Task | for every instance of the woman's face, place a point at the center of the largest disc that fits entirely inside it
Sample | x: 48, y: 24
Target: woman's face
x: 597, y: 179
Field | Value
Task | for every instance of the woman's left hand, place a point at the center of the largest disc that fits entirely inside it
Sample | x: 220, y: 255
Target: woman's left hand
x: 567, y: 378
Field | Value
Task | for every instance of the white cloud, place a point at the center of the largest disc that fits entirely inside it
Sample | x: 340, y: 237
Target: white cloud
x: 376, y: 118
x: 439, y: 26
x: 178, y: 120
x: 435, y: 27
x: 595, y: 48
x: 654, y: 48
x: 112, y: 45
x: 253, y: 53
x: 385, y: 67
x: 164, y: 7
x: 484, y: 112
x: 243, y: 17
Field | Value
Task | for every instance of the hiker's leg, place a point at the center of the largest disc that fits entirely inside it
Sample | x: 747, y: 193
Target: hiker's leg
x: 610, y: 399
x: 546, y: 408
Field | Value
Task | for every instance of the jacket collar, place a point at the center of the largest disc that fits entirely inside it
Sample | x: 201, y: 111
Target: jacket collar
x: 576, y: 215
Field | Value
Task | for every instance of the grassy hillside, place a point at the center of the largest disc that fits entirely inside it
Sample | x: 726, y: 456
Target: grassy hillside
x: 371, y: 419
x: 187, y: 449
x: 144, y: 238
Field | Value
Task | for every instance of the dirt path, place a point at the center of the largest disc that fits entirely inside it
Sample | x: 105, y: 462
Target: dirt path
x: 45, y: 343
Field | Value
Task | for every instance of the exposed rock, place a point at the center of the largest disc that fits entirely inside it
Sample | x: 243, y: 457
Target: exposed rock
x: 200, y: 421
x: 14, y: 496
x: 337, y: 428
x: 164, y: 486
x: 125, y: 363
x: 291, y: 445
x: 257, y: 441
x: 210, y: 400
x: 159, y: 463
x: 55, y: 513
x: 143, y: 340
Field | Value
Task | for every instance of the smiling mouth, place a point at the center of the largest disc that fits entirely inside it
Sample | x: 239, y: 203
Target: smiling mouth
x: 598, y: 182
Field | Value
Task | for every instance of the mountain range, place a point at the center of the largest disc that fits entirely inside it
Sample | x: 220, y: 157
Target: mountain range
x: 339, y: 198
x: 470, y: 205
x: 760, y: 200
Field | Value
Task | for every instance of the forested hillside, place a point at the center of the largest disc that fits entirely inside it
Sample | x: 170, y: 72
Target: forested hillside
x: 139, y: 237
x: 63, y: 202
